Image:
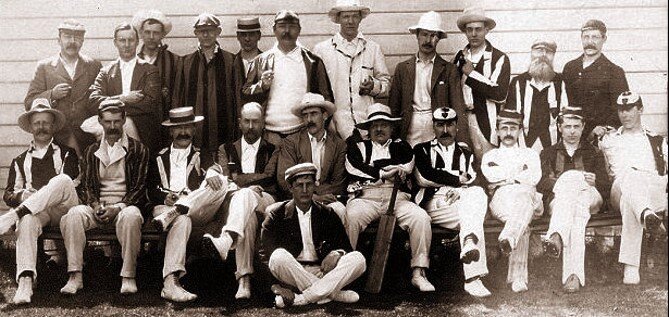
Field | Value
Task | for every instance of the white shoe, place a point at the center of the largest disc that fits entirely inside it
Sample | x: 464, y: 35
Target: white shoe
x: 631, y: 275
x: 8, y: 220
x: 74, y: 284
x: 421, y: 282
x: 518, y: 286
x: 128, y: 286
x: 477, y: 289
x: 25, y: 290
x: 162, y: 221
x: 221, y: 244
x: 244, y: 290
x: 347, y: 296
x: 173, y: 291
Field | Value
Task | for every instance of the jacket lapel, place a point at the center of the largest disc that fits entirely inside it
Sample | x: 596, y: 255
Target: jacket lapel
x: 60, y: 69
x: 116, y: 82
x: 437, y: 68
x: 238, y: 148
x: 411, y: 78
x: 327, y: 157
x: 165, y: 157
x: 137, y: 74
x: 305, y: 147
x: 260, y: 157
x: 80, y: 70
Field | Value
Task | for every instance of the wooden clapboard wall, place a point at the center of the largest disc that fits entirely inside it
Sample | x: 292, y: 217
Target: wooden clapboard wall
x: 637, y: 38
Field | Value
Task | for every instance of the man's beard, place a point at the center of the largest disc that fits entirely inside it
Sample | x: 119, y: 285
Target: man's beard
x: 541, y: 69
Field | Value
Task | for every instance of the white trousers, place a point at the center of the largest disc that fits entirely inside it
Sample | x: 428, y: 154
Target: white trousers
x: 47, y: 205
x: 570, y: 211
x: 420, y: 128
x: 467, y: 214
x: 515, y: 205
x: 373, y: 203
x: 634, y: 192
x: 310, y: 280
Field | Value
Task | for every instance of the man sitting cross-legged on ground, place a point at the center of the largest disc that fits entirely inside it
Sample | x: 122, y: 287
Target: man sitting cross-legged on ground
x: 307, y: 247
x: 113, y: 177
x: 445, y: 176
x: 39, y: 190
x: 637, y: 161
x: 513, y: 173
x: 574, y: 180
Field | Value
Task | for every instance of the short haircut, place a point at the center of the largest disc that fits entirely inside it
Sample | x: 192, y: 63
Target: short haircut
x: 152, y: 22
x: 123, y: 27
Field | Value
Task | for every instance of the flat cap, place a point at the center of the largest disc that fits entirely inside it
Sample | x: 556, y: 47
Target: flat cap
x: 300, y: 169
x: 594, y: 25
x: 444, y: 114
x: 286, y: 15
x: 509, y: 116
x: 546, y: 44
x: 207, y: 19
x: 629, y: 98
x: 572, y: 112
x: 110, y: 104
x: 72, y: 25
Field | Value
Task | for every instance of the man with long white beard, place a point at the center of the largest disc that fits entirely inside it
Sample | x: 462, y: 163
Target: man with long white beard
x: 538, y: 94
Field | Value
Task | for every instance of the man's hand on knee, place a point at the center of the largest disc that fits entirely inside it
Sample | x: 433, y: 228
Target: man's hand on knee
x: 331, y: 260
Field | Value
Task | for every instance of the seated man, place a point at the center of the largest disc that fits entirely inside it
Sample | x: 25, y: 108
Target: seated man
x: 573, y: 181
x: 314, y: 144
x: 444, y: 171
x: 307, y: 247
x: 374, y: 164
x: 39, y: 189
x: 637, y: 161
x: 113, y: 177
x: 513, y: 173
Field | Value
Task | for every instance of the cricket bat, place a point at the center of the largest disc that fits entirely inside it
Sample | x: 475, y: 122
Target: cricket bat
x: 384, y: 236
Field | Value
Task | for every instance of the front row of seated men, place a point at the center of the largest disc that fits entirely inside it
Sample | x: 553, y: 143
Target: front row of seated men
x: 308, y: 242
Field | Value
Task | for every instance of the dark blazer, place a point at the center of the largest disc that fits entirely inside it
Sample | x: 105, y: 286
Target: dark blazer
x: 159, y: 174
x: 446, y: 92
x: 146, y: 113
x: 281, y: 229
x: 240, y: 80
x: 265, y: 169
x: 50, y: 72
x: 296, y: 149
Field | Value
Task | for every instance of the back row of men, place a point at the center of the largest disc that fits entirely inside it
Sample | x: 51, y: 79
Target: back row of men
x: 287, y: 150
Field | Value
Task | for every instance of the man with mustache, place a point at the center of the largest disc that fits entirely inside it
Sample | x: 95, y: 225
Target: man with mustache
x: 113, y: 178
x: 248, y: 35
x: 63, y: 80
x: 153, y: 26
x: 133, y: 82
x: 206, y: 82
x: 513, y: 172
x: 356, y: 67
x: 573, y: 182
x: 39, y: 190
x: 593, y: 82
x: 538, y: 94
x: 314, y: 144
x: 485, y: 71
x: 280, y: 77
x: 447, y: 191
x: 424, y: 83
x: 637, y: 163
x: 374, y: 165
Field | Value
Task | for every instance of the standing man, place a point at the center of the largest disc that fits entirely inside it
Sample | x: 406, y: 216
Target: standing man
x: 313, y: 144
x: 306, y: 247
x: 637, y: 162
x: 538, y: 94
x: 133, y: 82
x: 513, y: 172
x: 248, y: 35
x: 594, y: 83
x: 39, y: 190
x: 63, y: 80
x: 374, y: 165
x: 113, y: 186
x: 486, y: 72
x: 445, y: 176
x: 573, y: 181
x: 424, y: 83
x: 356, y: 67
x: 205, y: 81
x: 281, y: 76
x: 153, y: 26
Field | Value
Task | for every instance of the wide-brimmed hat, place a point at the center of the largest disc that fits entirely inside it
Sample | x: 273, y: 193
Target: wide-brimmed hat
x: 141, y: 16
x: 347, y: 6
x: 313, y: 100
x: 180, y: 116
x: 430, y: 21
x: 41, y: 105
x: 248, y: 24
x: 307, y: 168
x: 474, y: 14
x: 376, y: 112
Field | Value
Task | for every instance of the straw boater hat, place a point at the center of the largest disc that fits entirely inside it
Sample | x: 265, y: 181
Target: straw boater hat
x: 509, y: 116
x: 347, y: 6
x: 430, y: 21
x: 180, y: 116
x: 444, y: 114
x: 475, y: 14
x: 41, y: 105
x: 300, y: 170
x: 377, y: 112
x: 245, y: 25
x: 313, y: 100
x: 141, y: 16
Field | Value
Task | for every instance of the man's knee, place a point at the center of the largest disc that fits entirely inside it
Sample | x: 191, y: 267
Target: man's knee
x: 182, y: 222
x: 61, y: 180
x: 74, y: 216
x: 279, y: 258
x: 357, y: 259
x: 29, y: 223
x: 130, y: 216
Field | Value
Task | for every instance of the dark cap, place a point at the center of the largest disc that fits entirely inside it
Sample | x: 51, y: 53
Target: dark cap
x: 287, y: 16
x: 207, y: 19
x: 509, y: 116
x: 594, y: 25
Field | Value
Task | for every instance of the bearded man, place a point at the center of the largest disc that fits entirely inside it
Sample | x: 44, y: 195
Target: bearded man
x: 538, y: 94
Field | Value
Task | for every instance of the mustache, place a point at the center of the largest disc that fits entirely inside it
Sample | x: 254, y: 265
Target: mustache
x: 589, y: 46
x: 427, y: 45
x: 508, y: 137
x: 184, y: 137
x: 113, y: 131
x: 286, y: 36
x: 445, y: 135
x: 311, y: 125
x: 72, y: 45
x: 41, y: 131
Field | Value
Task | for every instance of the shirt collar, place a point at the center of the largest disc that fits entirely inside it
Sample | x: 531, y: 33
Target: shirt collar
x: 430, y: 61
x: 340, y: 40
x: 374, y: 143
x: 303, y: 213
x: 295, y: 54
x: 312, y: 138
x: 123, y: 141
x: 255, y: 144
x: 175, y: 150
x: 216, y: 48
x: 435, y: 143
x: 62, y: 60
x: 130, y: 63
x: 34, y: 148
